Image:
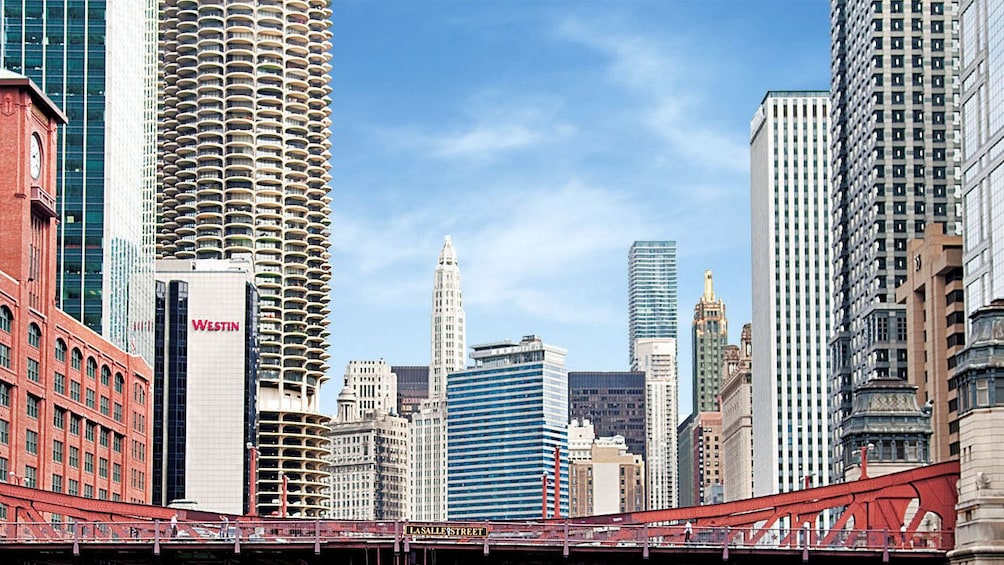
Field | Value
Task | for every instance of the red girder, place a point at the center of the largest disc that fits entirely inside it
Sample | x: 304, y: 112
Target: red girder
x: 874, y: 504
x: 28, y: 505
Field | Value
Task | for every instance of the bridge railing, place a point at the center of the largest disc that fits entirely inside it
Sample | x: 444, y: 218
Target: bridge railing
x: 546, y: 534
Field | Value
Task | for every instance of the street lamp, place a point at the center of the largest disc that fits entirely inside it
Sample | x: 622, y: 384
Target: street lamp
x: 14, y: 478
x: 863, y: 452
x: 253, y: 480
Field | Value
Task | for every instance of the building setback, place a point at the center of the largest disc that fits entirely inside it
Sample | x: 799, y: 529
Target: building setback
x: 243, y: 154
x: 613, y: 402
x: 737, y: 420
x: 604, y: 477
x: 935, y: 331
x: 205, y: 383
x: 75, y: 410
x: 789, y: 169
x: 894, y: 150
x: 97, y: 61
x: 506, y: 421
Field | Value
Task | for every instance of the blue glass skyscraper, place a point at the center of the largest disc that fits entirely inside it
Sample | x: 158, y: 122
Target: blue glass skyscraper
x: 651, y: 292
x: 507, y: 415
x: 96, y: 60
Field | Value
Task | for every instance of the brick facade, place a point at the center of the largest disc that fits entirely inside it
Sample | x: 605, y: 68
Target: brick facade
x: 75, y: 411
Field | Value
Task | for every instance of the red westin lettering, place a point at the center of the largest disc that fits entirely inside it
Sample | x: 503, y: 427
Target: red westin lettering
x: 215, y: 326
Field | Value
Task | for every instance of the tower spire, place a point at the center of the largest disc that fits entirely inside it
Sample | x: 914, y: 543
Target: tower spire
x: 709, y: 291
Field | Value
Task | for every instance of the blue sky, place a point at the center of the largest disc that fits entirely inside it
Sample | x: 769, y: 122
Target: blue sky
x: 546, y: 137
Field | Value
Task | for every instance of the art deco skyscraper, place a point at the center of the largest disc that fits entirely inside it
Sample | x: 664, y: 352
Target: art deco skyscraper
x: 894, y: 150
x: 428, y: 423
x: 243, y: 156
x: 791, y: 281
x: 97, y: 61
x: 651, y: 292
x: 710, y: 336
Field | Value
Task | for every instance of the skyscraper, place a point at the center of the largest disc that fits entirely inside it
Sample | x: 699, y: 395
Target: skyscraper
x: 737, y: 419
x: 613, y: 402
x: 657, y: 358
x: 205, y: 383
x: 507, y: 417
x: 97, y: 61
x: 710, y: 336
x: 982, y: 61
x: 789, y: 167
x: 428, y: 422
x: 243, y: 155
x: 651, y: 292
x: 894, y: 153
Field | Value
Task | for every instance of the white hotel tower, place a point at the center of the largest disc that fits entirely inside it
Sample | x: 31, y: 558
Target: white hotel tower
x: 243, y: 170
x: 789, y: 159
x: 428, y: 434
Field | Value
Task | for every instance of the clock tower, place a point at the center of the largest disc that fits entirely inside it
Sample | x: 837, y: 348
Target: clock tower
x: 28, y: 126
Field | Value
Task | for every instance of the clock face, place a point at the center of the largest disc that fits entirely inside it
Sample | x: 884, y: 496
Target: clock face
x: 35, y: 156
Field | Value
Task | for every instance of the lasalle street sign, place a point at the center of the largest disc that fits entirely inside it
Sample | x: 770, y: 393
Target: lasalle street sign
x: 445, y: 531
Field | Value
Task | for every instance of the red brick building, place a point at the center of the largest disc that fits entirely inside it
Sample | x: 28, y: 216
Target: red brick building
x: 75, y: 411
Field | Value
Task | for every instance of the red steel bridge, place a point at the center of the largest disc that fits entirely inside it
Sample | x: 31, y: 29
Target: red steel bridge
x: 907, y: 517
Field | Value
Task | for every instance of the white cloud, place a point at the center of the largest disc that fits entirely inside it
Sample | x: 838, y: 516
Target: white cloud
x: 669, y: 93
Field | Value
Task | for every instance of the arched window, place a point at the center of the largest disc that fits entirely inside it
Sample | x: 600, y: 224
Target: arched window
x: 75, y: 358
x: 119, y: 382
x: 34, y: 335
x: 5, y: 318
x: 106, y: 375
x: 92, y: 368
x: 60, y: 350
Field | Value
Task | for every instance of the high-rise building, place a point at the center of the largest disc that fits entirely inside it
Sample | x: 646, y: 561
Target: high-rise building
x: 737, y: 420
x: 243, y: 169
x: 894, y: 153
x: 369, y: 456
x: 710, y: 336
x: 935, y: 331
x: 74, y: 408
x: 686, y: 471
x: 613, y: 402
x: 657, y: 358
x: 604, y: 477
x: 506, y: 421
x: 412, y: 388
x: 651, y: 293
x: 375, y: 386
x: 428, y: 422
x: 789, y: 167
x: 699, y: 459
x: 205, y: 383
x: 982, y: 128
x: 97, y: 61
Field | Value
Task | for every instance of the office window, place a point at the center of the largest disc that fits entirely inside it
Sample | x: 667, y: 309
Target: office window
x: 4, y: 355
x: 57, y: 451
x: 74, y: 457
x: 32, y: 406
x: 5, y: 319
x: 75, y: 358
x: 75, y: 390
x: 59, y: 384
x: 92, y: 368
x: 59, y: 418
x: 74, y: 425
x: 60, y: 350
x: 33, y: 370
x: 31, y: 442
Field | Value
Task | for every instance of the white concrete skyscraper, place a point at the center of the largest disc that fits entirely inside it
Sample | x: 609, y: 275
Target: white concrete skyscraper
x: 448, y: 349
x: 449, y: 332
x: 243, y: 157
x: 651, y: 292
x: 657, y: 358
x: 789, y: 160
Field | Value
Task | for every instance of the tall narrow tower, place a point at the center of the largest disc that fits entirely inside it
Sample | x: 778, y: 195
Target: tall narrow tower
x: 791, y: 282
x: 428, y: 424
x: 710, y: 336
x: 243, y: 153
x: 97, y: 60
x: 894, y: 151
x: 449, y: 332
x: 651, y: 292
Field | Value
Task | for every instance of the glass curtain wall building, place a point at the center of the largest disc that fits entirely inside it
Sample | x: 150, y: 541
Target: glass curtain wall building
x: 789, y: 164
x: 243, y: 171
x: 96, y: 61
x: 652, y: 296
x: 507, y: 417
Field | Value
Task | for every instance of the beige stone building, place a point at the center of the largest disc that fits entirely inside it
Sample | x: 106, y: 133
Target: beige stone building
x: 737, y: 420
x: 935, y: 332
x: 604, y: 478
